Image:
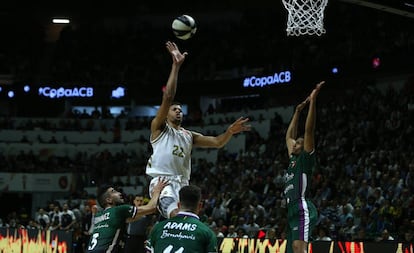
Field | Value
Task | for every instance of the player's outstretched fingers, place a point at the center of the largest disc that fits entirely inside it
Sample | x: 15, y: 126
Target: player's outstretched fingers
x: 319, y: 85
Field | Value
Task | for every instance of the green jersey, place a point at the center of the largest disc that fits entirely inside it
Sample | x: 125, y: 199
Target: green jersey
x: 108, y: 225
x: 302, y: 213
x: 184, y: 233
x: 299, y: 175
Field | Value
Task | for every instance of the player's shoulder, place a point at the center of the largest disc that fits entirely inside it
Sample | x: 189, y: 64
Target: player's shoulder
x: 123, y: 207
x: 201, y: 225
x: 307, y: 153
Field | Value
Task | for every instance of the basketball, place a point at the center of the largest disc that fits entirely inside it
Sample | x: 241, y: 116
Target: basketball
x: 184, y: 27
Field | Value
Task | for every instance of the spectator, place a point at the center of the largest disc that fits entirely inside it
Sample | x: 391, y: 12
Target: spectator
x: 67, y: 218
x: 323, y: 234
x: 231, y: 232
x: 408, y: 236
x: 42, y: 219
x: 385, y: 236
x: 55, y: 217
x: 271, y: 234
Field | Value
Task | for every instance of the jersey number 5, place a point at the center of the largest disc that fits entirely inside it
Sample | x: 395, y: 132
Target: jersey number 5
x: 94, y: 241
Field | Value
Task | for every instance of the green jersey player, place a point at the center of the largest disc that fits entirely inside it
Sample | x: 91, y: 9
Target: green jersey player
x: 183, y: 233
x: 109, y: 223
x: 302, y: 213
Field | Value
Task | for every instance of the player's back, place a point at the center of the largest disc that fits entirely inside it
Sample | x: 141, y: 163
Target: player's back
x: 182, y: 233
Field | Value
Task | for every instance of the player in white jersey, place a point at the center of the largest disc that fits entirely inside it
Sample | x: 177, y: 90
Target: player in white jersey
x: 172, y: 144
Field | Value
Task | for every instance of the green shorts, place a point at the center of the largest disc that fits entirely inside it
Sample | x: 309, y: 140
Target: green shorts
x: 302, y: 218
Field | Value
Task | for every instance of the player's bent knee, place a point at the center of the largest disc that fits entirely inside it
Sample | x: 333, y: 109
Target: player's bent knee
x: 166, y: 206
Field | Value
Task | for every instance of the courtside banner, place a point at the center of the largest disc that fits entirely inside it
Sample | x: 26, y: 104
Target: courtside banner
x: 34, y: 240
x: 39, y: 182
x: 247, y: 245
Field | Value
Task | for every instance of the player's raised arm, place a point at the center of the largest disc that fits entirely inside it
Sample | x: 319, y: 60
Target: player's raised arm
x: 151, y: 206
x: 158, y: 123
x: 240, y: 125
x: 309, y: 137
x: 291, y: 132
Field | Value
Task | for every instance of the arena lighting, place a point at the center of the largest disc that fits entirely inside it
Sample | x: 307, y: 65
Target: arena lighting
x: 119, y: 92
x: 335, y: 70
x: 376, y: 62
x: 60, y: 21
x: 26, y: 88
x: 10, y: 94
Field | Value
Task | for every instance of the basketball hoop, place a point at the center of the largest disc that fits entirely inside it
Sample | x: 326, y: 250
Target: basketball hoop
x: 305, y: 17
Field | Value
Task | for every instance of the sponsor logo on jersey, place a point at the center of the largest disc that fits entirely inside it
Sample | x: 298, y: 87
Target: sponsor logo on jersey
x: 289, y: 176
x: 288, y: 188
x: 166, y: 234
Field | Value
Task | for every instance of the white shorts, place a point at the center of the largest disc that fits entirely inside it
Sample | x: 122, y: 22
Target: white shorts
x: 169, y: 196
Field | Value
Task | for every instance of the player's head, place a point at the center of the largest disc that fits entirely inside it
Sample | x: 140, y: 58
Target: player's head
x: 108, y: 196
x: 298, y: 146
x: 138, y: 200
x: 94, y: 209
x: 190, y: 198
x: 175, y: 114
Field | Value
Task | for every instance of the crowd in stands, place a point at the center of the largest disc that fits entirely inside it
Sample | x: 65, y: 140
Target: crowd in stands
x: 363, y: 187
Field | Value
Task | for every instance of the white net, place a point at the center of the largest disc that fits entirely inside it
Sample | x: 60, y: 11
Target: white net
x: 305, y: 17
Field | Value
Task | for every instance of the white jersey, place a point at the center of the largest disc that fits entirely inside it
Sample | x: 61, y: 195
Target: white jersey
x: 171, y: 153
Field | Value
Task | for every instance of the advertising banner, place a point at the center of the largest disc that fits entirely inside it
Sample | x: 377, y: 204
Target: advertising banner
x: 39, y: 182
x: 247, y: 245
x: 34, y: 240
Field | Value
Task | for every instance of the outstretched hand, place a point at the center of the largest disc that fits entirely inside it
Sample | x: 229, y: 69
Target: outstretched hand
x: 302, y: 105
x: 316, y: 90
x: 162, y: 182
x: 312, y: 96
x: 177, y: 56
x: 239, y: 126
